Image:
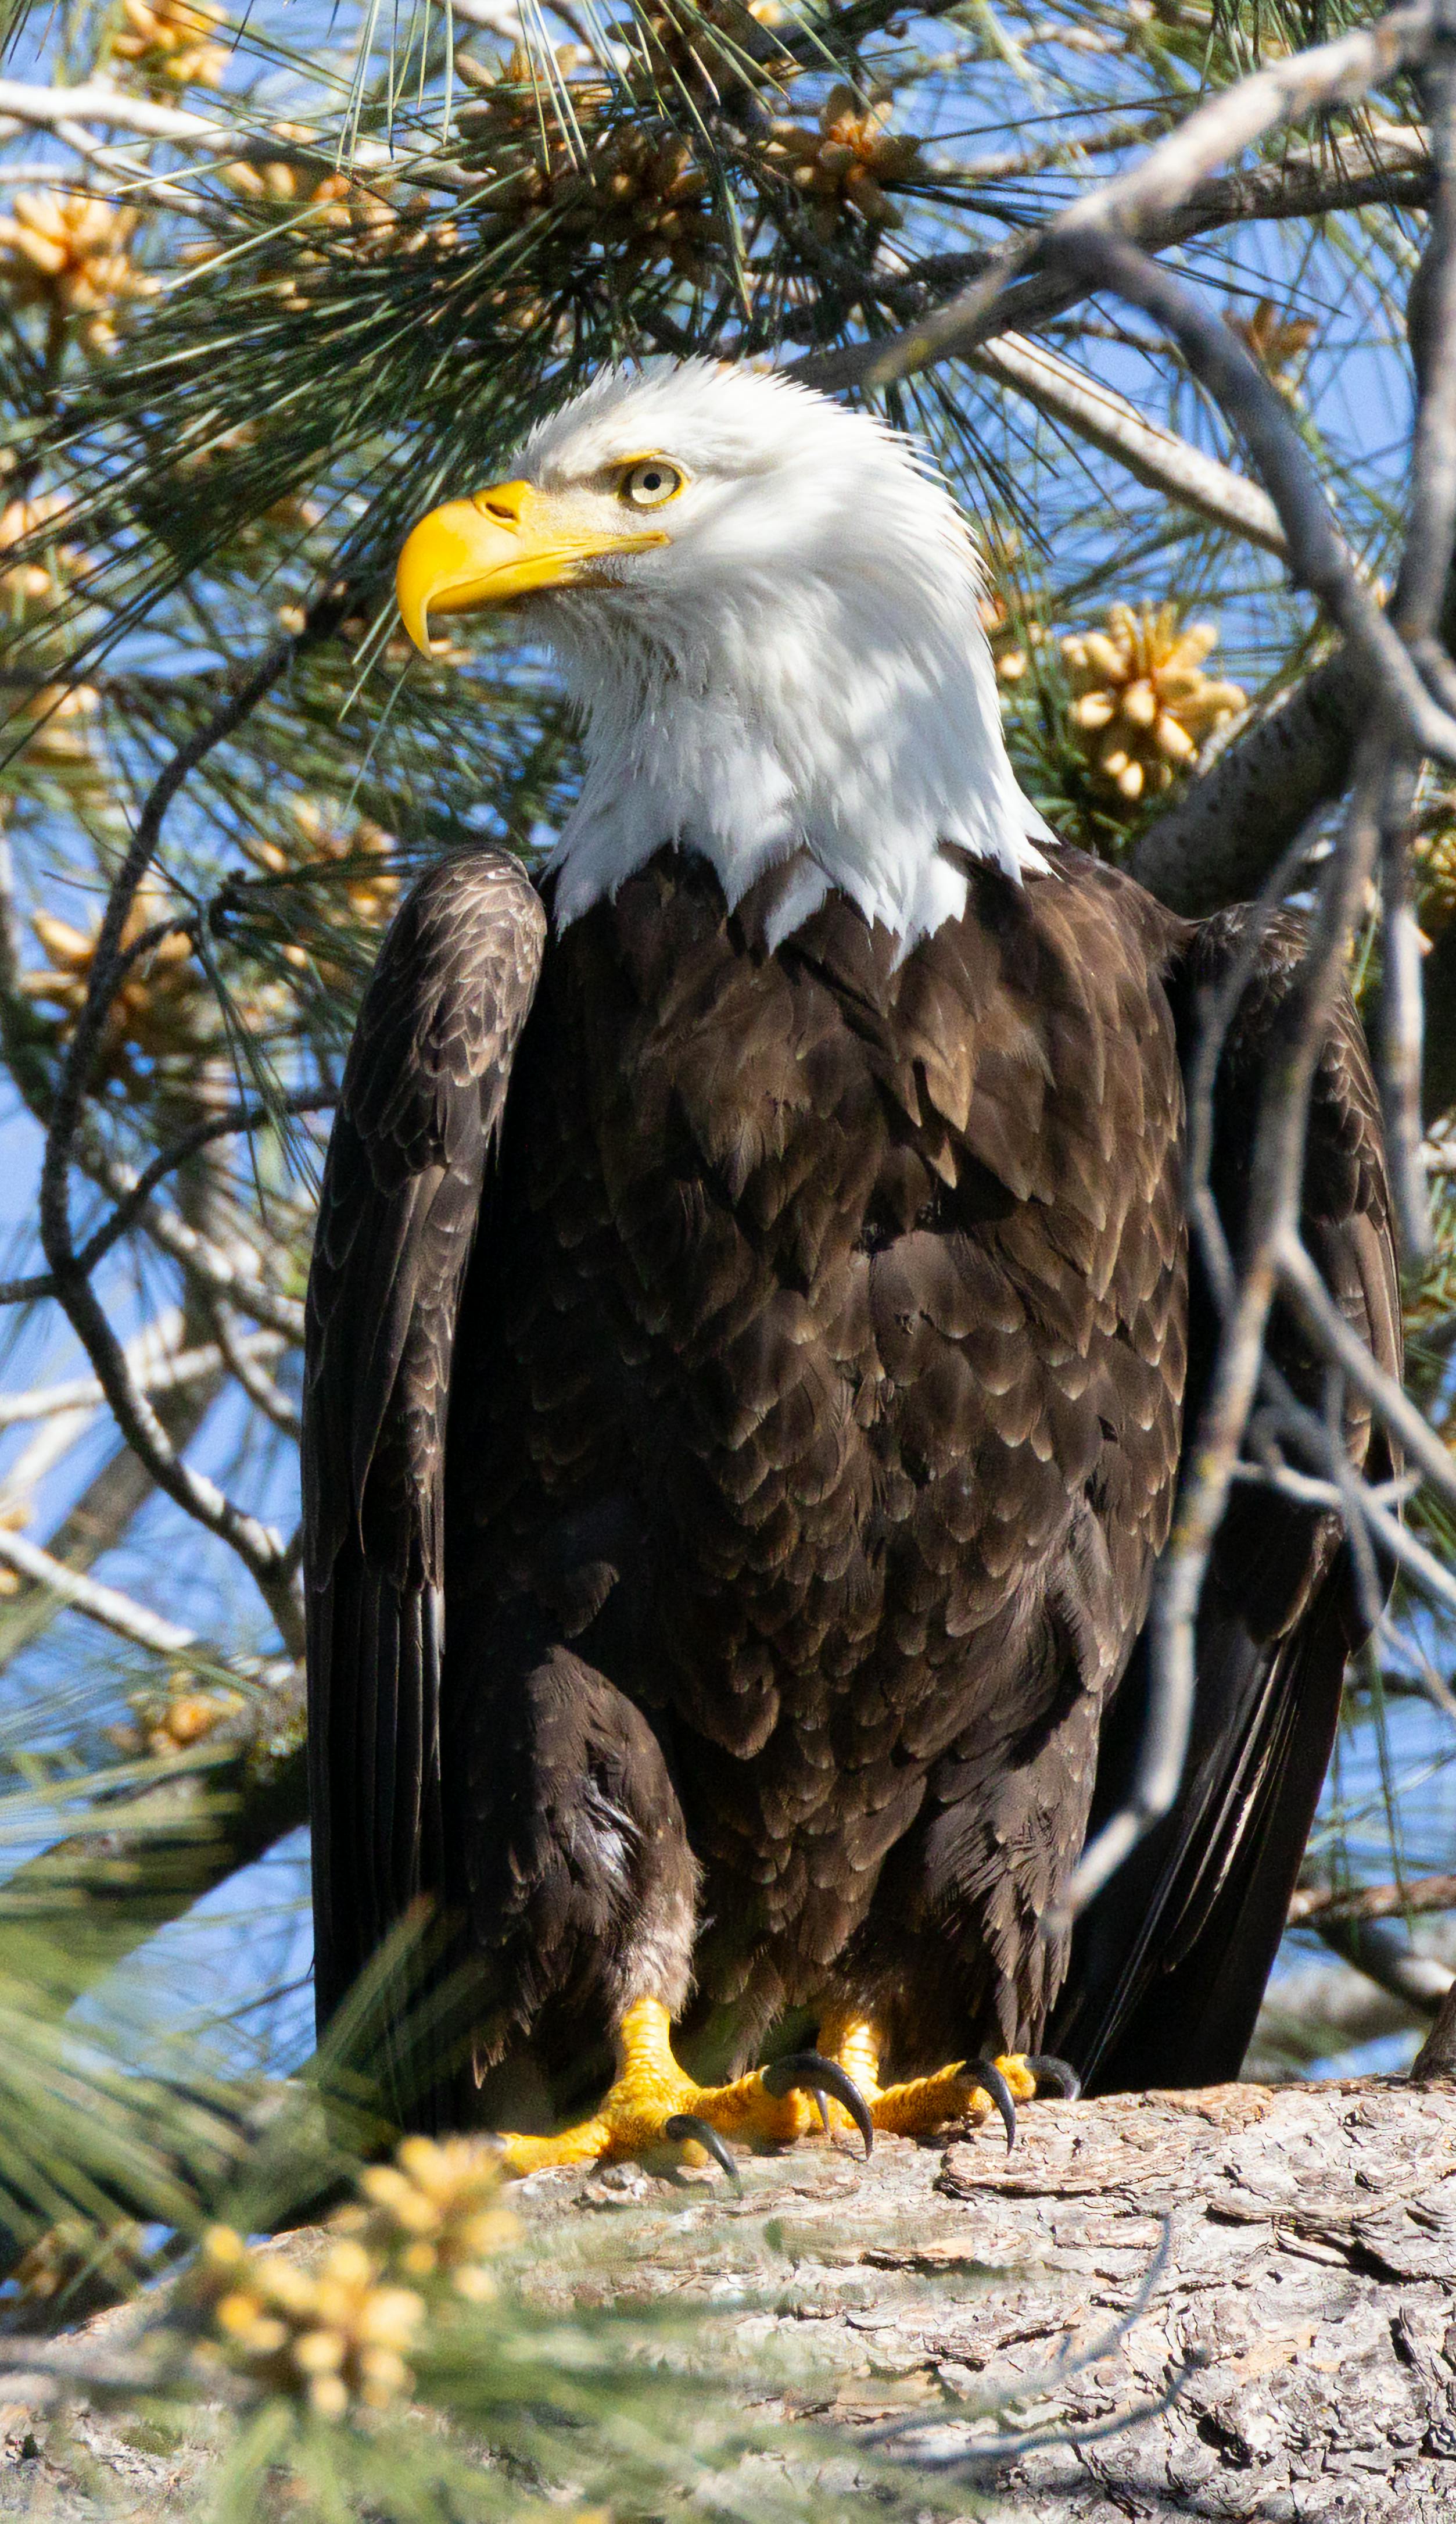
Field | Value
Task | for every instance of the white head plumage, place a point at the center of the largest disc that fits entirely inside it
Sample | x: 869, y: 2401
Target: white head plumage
x: 794, y: 669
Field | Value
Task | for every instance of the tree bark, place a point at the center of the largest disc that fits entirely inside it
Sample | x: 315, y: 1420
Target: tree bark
x: 1227, y: 829
x: 1304, y: 2317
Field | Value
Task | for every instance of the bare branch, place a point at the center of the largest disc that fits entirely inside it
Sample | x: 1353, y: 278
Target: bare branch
x: 217, y: 1126
x: 1158, y: 458
x: 1307, y: 1293
x: 1319, y: 559
x: 259, y: 1549
x: 1424, y: 1893
x: 82, y: 1395
x: 1385, y: 1529
x: 103, y: 1604
x: 232, y: 1275
x: 240, y: 1353
x: 1379, y: 1949
x: 121, y: 110
x: 1273, y: 1208
x: 1140, y: 201
x: 1436, y: 2057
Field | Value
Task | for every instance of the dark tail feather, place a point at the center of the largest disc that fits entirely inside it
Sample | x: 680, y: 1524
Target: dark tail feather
x: 1170, y: 1963
x: 378, y: 1859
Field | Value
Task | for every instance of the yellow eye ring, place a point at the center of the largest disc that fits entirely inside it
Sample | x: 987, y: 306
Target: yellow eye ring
x: 652, y: 482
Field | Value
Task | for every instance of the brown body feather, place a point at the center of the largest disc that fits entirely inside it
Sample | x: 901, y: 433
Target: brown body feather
x: 815, y: 1396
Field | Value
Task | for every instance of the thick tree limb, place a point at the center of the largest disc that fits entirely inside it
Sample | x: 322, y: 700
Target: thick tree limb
x: 1379, y: 1950
x: 1436, y: 2057
x: 1218, y: 842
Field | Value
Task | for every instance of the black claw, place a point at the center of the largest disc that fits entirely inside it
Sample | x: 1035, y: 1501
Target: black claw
x: 684, y: 2125
x: 1061, y: 2074
x: 987, y: 2074
x: 809, y: 2072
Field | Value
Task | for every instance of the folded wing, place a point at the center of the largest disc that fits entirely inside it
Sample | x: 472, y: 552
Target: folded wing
x: 421, y: 1107
x: 1170, y: 1963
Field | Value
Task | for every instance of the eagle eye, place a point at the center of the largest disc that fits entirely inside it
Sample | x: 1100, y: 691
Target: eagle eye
x: 652, y: 482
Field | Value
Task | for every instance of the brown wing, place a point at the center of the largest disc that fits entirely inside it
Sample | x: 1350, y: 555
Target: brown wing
x: 424, y: 1091
x: 1170, y: 1963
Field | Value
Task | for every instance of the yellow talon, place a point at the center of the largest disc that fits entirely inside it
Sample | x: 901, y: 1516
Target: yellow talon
x: 920, y: 2105
x: 648, y: 2091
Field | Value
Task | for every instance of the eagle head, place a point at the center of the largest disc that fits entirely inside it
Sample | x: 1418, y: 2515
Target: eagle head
x: 766, y: 606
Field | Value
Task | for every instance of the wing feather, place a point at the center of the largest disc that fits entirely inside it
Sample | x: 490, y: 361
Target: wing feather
x: 422, y: 1100
x: 1169, y: 1965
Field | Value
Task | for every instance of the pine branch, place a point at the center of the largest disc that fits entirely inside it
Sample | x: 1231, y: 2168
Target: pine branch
x: 149, y: 1854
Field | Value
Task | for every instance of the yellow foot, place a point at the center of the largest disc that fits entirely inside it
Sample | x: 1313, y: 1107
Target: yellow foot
x: 653, y: 2105
x: 971, y: 2088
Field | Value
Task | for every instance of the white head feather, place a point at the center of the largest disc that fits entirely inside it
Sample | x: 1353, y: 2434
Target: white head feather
x: 798, y: 671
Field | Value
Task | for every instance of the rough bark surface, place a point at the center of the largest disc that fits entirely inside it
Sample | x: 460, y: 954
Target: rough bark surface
x: 1306, y: 2304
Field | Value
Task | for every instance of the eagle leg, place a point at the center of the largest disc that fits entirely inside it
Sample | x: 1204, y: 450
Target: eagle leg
x: 969, y: 2089
x: 650, y: 2092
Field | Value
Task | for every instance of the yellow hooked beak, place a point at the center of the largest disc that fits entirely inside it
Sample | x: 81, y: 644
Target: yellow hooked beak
x: 505, y: 542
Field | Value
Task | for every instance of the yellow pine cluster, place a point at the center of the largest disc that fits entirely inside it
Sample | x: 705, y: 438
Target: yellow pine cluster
x: 288, y: 186
x: 1276, y: 341
x: 626, y: 187
x: 368, y: 886
x: 172, y: 40
x: 1142, y: 704
x: 70, y: 2253
x: 64, y: 721
x: 1433, y: 879
x: 334, y: 2337
x: 58, y: 722
x: 162, y: 1008
x: 1011, y: 640
x: 339, y: 208
x: 845, y: 161
x: 29, y: 584
x: 69, y: 253
x: 337, y: 2338
x: 187, y: 1716
x: 435, y: 2214
x: 709, y: 50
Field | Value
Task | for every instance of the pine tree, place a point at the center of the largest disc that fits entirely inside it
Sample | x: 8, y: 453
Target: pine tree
x: 271, y: 285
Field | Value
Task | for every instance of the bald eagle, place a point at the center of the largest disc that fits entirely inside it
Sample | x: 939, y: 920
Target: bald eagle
x: 752, y: 1338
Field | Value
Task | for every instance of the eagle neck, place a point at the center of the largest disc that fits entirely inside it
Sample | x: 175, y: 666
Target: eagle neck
x: 856, y: 734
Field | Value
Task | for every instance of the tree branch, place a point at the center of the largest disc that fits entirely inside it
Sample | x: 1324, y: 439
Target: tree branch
x: 1379, y: 1949
x: 103, y: 1604
x: 81, y: 1395
x: 1156, y: 457
x: 149, y: 1854
x: 1322, y: 1902
x: 129, y: 1211
x: 261, y: 1550
x: 1018, y: 285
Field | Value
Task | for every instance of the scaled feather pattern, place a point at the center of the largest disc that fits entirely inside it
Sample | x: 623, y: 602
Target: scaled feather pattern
x: 754, y: 1340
